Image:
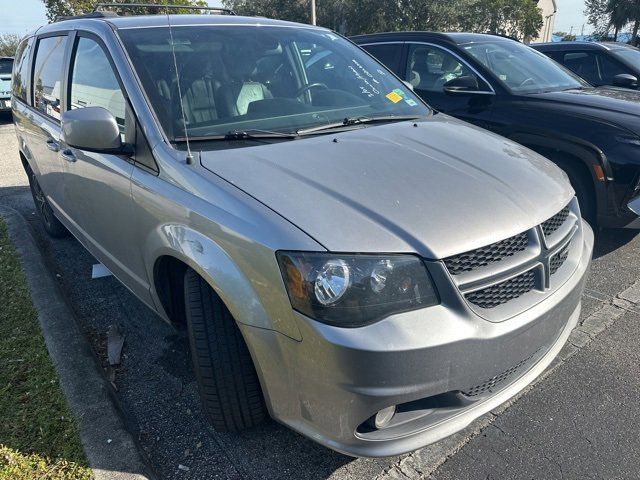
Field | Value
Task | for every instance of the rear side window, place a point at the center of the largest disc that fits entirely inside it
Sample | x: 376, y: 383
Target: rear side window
x: 389, y: 54
x: 6, y: 64
x: 21, y: 76
x: 47, y: 75
x: 94, y: 83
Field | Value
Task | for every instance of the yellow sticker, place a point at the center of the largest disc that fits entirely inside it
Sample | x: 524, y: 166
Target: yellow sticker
x: 394, y: 97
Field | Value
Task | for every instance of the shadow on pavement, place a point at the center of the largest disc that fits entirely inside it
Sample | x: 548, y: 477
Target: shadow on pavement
x: 608, y: 241
x: 5, y: 118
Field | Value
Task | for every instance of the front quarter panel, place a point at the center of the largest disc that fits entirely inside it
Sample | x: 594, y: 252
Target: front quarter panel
x: 229, y: 238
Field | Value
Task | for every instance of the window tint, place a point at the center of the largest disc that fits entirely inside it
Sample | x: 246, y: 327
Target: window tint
x: 389, y: 54
x: 47, y: 75
x: 93, y: 82
x: 520, y: 68
x: 595, y: 67
x: 609, y: 68
x: 6, y: 64
x: 430, y: 68
x: 584, y: 64
x: 22, y: 70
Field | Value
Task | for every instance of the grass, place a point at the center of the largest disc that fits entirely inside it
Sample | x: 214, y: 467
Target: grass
x: 38, y: 435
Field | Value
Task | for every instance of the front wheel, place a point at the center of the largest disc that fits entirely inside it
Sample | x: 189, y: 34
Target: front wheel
x: 227, y: 380
x: 51, y: 224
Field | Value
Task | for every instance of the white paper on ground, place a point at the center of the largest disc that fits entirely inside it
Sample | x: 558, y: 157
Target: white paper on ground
x: 99, y: 271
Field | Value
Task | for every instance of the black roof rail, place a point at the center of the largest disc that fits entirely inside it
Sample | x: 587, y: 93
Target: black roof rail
x: 504, y: 36
x: 93, y: 14
x: 162, y: 7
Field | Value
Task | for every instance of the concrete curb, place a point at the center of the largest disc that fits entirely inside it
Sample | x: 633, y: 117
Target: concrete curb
x: 111, y: 451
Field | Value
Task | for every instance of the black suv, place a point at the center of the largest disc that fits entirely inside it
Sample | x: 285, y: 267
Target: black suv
x: 598, y: 63
x: 593, y: 134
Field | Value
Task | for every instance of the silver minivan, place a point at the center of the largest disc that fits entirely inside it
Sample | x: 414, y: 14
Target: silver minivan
x: 367, y: 271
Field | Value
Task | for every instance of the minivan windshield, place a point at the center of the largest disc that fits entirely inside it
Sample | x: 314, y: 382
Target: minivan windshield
x: 521, y: 68
x: 269, y: 79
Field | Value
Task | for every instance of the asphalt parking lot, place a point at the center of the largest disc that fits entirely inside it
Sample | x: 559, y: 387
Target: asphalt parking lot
x: 579, y: 421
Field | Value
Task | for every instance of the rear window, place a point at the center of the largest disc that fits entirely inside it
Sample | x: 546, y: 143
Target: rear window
x: 6, y: 65
x: 21, y: 76
x: 47, y: 75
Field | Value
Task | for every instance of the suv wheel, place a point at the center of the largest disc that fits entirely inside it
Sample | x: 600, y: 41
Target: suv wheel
x: 227, y: 380
x: 51, y: 224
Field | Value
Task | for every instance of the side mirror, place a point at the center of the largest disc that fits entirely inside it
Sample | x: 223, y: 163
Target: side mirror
x: 625, y: 80
x: 466, y: 83
x: 93, y: 129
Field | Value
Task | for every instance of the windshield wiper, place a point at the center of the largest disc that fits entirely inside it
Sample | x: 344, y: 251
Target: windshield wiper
x: 347, y: 122
x: 234, y: 135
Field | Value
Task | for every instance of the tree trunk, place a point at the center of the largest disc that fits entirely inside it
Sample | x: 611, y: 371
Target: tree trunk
x: 634, y: 38
x: 615, y: 34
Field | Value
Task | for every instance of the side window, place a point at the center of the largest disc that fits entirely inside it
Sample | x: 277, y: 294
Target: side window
x: 389, y: 54
x: 21, y: 70
x: 47, y: 75
x: 430, y: 68
x: 609, y: 68
x: 93, y: 82
x: 583, y: 64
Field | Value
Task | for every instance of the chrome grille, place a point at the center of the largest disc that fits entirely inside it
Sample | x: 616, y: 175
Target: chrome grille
x: 558, y: 259
x: 483, y: 256
x: 555, y: 222
x: 500, y: 293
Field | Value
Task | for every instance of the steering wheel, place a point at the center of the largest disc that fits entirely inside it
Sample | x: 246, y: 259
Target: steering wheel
x: 309, y: 86
x: 527, y: 81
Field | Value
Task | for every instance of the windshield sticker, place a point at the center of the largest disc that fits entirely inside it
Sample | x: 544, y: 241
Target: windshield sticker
x: 411, y: 103
x: 393, y: 97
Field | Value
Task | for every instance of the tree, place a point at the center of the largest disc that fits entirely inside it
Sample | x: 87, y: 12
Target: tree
x: 565, y: 37
x: 598, y: 17
x: 8, y: 44
x: 521, y: 19
x: 605, y: 15
x: 64, y: 8
x: 518, y: 18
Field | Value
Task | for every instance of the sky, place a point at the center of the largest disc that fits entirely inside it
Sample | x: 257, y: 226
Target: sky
x: 22, y: 16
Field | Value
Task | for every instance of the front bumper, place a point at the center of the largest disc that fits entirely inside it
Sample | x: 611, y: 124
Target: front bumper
x: 330, y: 383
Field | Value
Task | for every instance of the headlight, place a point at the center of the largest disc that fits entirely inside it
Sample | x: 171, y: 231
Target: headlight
x: 355, y: 290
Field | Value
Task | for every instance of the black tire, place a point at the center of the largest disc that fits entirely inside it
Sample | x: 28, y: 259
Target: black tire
x: 49, y: 220
x: 583, y: 185
x: 228, y: 383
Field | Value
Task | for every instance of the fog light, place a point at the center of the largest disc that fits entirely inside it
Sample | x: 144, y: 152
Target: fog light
x: 384, y: 416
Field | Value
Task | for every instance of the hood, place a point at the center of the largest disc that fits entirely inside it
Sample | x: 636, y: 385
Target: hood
x: 438, y: 188
x: 618, y: 100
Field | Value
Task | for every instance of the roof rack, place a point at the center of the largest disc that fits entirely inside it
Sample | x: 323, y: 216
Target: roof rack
x: 163, y: 7
x: 86, y: 15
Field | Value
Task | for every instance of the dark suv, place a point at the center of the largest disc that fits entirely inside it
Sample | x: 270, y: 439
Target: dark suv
x: 593, y: 134
x: 598, y: 63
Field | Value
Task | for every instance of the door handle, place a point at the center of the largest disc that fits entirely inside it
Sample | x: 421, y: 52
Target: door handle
x: 68, y: 155
x: 52, y: 145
